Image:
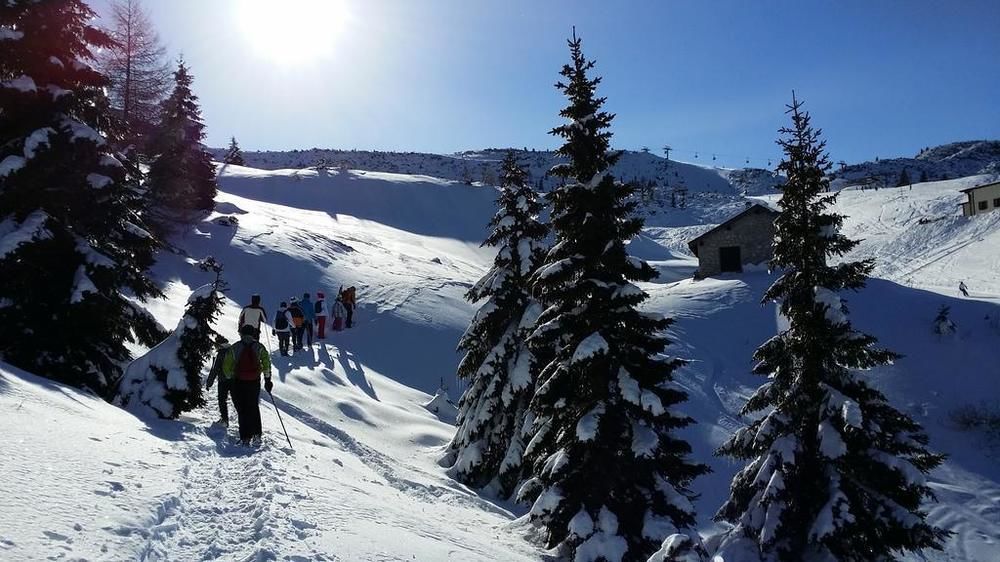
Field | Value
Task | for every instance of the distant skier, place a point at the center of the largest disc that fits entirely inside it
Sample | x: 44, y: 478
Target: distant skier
x: 963, y: 288
x: 253, y: 315
x: 298, y: 321
x: 224, y: 384
x: 243, y: 365
x: 320, y: 308
x: 310, y: 317
x: 283, y: 328
x: 339, y: 312
x: 350, y: 301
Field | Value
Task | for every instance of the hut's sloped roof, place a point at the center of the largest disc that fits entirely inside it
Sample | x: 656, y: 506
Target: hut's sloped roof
x: 693, y: 244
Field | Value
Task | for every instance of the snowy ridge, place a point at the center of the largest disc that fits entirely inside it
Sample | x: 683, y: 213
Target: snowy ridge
x: 482, y: 167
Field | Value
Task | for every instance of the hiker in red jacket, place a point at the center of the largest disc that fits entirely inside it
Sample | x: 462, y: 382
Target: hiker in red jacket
x: 242, y: 366
x: 320, y: 308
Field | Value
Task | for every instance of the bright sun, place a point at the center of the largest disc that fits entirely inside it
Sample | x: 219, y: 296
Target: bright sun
x: 292, y: 31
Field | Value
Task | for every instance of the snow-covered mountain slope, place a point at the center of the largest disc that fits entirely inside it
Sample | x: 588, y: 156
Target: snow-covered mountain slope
x: 947, y: 161
x: 482, y: 167
x: 919, y: 238
x: 361, y: 481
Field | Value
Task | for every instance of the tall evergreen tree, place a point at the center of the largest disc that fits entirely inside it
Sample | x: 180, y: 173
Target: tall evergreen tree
x: 72, y: 242
x: 234, y: 155
x: 610, y: 480
x: 835, y: 472
x: 487, y: 448
x: 182, y: 177
x: 139, y: 77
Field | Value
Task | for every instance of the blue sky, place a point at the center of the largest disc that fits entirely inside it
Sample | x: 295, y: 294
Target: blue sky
x: 881, y: 78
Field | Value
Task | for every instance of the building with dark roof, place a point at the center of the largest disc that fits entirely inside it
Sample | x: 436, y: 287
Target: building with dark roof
x: 744, y: 239
x: 981, y: 199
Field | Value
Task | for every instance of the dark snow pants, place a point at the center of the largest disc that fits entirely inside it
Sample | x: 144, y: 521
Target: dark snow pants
x: 224, y: 390
x: 246, y: 398
x: 283, y: 339
x: 350, y: 315
x: 308, y: 327
x: 297, y: 337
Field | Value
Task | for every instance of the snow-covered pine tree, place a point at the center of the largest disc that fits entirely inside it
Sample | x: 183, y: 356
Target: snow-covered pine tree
x: 167, y: 379
x: 181, y: 177
x: 234, y: 155
x: 609, y: 478
x: 487, y: 448
x: 72, y: 241
x: 835, y: 472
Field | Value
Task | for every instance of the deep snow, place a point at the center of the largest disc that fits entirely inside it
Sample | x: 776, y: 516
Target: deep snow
x: 85, y: 480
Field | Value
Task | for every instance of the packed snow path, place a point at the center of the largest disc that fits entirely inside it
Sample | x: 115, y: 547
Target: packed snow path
x: 325, y: 499
x: 234, y: 504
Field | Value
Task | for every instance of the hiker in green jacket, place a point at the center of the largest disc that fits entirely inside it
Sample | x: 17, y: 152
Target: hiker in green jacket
x: 222, y: 348
x: 243, y: 366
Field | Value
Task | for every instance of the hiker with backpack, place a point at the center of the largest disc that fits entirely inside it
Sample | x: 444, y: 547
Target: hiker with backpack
x: 320, y: 308
x: 310, y: 317
x: 243, y: 365
x: 283, y: 328
x: 350, y: 301
x: 224, y: 384
x: 253, y: 315
x: 298, y: 321
x: 339, y: 312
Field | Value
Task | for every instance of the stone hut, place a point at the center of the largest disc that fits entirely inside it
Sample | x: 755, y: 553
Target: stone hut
x: 744, y: 239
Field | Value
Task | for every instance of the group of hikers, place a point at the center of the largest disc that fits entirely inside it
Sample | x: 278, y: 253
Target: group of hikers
x: 239, y: 367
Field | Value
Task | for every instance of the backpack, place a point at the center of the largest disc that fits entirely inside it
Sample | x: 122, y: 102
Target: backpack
x: 318, y: 308
x: 297, y: 316
x: 281, y: 321
x: 247, y: 363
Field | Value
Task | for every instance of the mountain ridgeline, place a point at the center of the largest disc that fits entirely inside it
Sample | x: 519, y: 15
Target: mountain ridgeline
x: 659, y: 177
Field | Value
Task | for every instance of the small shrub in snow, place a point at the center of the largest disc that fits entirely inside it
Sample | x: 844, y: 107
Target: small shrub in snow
x: 979, y: 417
x: 167, y: 379
x: 609, y: 477
x: 943, y: 325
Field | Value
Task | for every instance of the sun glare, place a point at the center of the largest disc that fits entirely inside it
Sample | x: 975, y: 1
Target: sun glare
x: 292, y: 31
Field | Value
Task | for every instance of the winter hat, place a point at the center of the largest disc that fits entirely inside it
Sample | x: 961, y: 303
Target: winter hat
x: 320, y: 295
x: 255, y: 300
x: 248, y: 330
x: 305, y: 296
x: 294, y: 300
x: 283, y: 305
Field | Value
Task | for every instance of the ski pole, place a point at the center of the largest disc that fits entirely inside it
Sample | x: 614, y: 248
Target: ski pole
x: 276, y: 411
x: 267, y: 333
